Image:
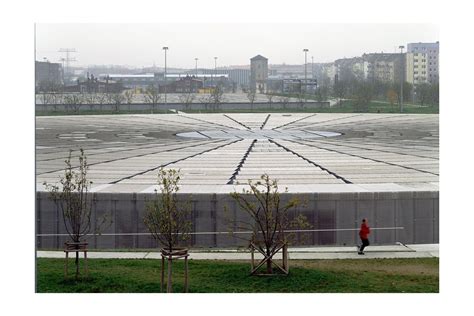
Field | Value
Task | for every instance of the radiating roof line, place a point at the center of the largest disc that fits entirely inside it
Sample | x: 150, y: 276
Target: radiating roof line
x: 311, y: 162
x: 135, y: 156
x: 265, y: 122
x: 372, y: 159
x: 173, y: 162
x: 241, y: 163
x: 300, y: 119
x: 201, y: 120
x: 240, y: 123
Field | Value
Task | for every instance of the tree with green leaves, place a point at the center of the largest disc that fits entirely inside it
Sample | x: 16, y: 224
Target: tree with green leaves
x: 73, y: 199
x: 269, y: 217
x: 166, y: 217
x: 362, y: 94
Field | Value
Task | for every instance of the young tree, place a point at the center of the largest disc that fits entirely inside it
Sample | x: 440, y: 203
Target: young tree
x: 74, y: 101
x: 167, y: 218
x: 392, y: 97
x: 423, y: 93
x: 340, y: 90
x: 117, y: 99
x: 206, y: 100
x: 301, y: 97
x: 217, y: 97
x: 187, y: 99
x: 363, y: 93
x: 72, y: 196
x: 128, y: 96
x: 270, y: 97
x: 284, y: 101
x: 90, y: 99
x: 251, y: 95
x: 152, y: 96
x: 269, y: 217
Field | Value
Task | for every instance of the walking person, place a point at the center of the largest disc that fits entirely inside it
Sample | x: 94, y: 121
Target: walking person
x: 364, y: 236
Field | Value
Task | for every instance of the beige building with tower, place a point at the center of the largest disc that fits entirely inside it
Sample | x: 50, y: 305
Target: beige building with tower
x: 258, y: 73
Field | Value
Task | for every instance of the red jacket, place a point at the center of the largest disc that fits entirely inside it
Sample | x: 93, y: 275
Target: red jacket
x: 364, y: 231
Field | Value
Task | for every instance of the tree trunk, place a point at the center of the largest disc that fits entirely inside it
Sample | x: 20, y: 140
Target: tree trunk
x: 269, y: 263
x: 77, y: 265
x: 169, y: 285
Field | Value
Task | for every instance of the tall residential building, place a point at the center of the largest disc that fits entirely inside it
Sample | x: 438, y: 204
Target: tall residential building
x: 351, y: 68
x: 431, y: 51
x: 258, y: 73
x: 384, y: 67
x: 417, y: 68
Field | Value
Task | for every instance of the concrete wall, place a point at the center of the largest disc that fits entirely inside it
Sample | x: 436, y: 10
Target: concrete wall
x: 416, y: 212
x: 178, y: 106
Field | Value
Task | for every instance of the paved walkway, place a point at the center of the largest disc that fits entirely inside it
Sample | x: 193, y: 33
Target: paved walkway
x: 371, y: 252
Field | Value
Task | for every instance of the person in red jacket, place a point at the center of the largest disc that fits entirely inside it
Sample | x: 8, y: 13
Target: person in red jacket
x: 364, y: 236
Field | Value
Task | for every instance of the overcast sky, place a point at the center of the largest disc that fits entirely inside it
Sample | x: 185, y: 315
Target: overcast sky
x: 234, y: 44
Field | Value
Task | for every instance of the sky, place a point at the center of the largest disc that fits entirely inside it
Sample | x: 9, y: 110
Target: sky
x: 140, y: 45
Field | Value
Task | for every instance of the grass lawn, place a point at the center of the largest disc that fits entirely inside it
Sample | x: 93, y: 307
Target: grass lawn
x: 318, y: 276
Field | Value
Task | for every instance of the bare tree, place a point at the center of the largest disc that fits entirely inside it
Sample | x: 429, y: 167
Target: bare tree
x: 73, y: 101
x: 101, y: 99
x: 72, y: 196
x: 109, y: 97
x: 284, y: 101
x: 251, y: 95
x: 206, y: 100
x: 216, y: 97
x: 152, y: 96
x: 301, y: 97
x: 44, y: 97
x: 187, y: 99
x: 270, y: 97
x: 117, y: 100
x: 128, y: 95
x: 90, y: 99
x: 269, y: 217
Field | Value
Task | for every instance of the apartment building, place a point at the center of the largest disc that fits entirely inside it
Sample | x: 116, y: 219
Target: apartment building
x: 384, y: 67
x: 417, y: 68
x: 430, y: 52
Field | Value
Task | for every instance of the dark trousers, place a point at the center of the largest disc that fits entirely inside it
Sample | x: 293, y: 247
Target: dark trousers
x: 365, y: 243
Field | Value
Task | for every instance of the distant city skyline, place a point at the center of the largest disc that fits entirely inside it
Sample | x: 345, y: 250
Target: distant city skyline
x: 140, y: 45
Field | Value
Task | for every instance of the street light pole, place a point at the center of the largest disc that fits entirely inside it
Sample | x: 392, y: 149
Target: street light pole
x: 215, y: 68
x: 401, y: 77
x: 165, y: 48
x: 196, y: 59
x: 305, y: 64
